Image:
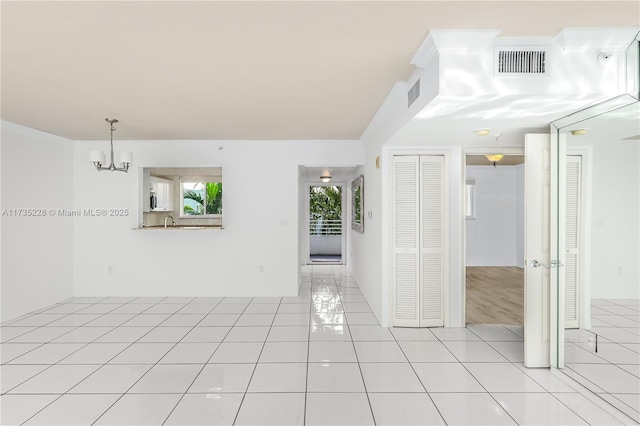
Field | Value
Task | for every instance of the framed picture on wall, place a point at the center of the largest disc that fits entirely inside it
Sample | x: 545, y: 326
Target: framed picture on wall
x: 357, y: 204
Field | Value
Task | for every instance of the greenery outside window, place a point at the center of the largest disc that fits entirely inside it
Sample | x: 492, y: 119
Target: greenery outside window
x: 201, y: 198
x: 325, y: 210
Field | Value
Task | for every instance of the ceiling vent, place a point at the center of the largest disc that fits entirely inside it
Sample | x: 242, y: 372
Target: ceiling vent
x: 413, y: 94
x: 517, y: 62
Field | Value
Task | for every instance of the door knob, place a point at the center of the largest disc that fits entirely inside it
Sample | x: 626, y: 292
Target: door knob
x: 553, y: 264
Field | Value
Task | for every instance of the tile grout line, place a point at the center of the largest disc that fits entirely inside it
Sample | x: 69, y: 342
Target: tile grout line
x: 364, y: 384
x: 528, y: 376
x: 65, y: 393
x: 44, y: 311
x: 62, y: 359
x: 534, y: 380
x: 310, y: 325
x: 598, y: 394
x: 576, y: 391
x: 475, y: 378
x: 418, y: 376
x: 208, y: 359
x: 47, y: 324
x: 516, y: 366
x: 255, y: 367
x: 309, y: 328
x: 606, y: 362
x: 138, y: 341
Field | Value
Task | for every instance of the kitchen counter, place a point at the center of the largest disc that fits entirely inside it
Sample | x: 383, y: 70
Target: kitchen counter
x: 180, y: 228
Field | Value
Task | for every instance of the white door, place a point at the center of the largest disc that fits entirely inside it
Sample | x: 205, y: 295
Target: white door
x: 573, y: 225
x: 432, y: 240
x: 419, y: 237
x: 406, y: 216
x: 537, y: 250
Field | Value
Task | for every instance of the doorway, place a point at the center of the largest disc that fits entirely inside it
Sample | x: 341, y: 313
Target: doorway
x: 326, y: 224
x: 494, y: 240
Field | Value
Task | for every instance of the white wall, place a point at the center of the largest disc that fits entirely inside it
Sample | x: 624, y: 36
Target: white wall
x: 257, y: 252
x: 615, y: 226
x: 37, y: 252
x: 494, y: 236
x: 366, y: 262
x: 325, y: 244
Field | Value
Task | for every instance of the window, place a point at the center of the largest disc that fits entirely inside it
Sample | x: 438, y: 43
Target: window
x: 201, y: 198
x: 470, y: 199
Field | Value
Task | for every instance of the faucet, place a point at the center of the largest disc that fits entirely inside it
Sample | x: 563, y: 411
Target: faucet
x: 172, y: 221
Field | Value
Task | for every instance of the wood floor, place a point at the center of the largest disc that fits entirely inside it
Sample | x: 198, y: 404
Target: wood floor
x: 495, y: 295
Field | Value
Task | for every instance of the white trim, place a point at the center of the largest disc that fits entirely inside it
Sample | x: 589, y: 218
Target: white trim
x: 470, y: 184
x: 307, y: 218
x: 557, y: 144
x: 345, y: 222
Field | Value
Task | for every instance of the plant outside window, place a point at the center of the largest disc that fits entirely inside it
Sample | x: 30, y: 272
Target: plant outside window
x: 202, y: 198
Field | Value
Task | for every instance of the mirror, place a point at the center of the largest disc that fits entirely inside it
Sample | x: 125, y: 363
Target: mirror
x: 357, y: 204
x: 599, y: 249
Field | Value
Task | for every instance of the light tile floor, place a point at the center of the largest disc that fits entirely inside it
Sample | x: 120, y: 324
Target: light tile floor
x: 317, y: 359
x: 613, y: 371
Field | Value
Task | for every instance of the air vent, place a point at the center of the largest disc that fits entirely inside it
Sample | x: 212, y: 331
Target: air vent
x: 518, y: 62
x: 414, y: 93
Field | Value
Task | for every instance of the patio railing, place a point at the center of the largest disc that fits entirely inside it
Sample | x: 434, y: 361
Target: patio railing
x: 325, y: 227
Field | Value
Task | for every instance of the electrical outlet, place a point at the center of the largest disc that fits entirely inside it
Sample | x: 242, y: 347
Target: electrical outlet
x: 110, y: 269
x: 261, y: 268
x: 592, y: 342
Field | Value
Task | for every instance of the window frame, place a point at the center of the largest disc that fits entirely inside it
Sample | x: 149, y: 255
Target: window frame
x: 194, y: 180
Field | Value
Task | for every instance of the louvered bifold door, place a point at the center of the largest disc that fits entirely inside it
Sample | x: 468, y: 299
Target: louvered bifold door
x: 572, y: 242
x: 432, y: 221
x: 405, y: 241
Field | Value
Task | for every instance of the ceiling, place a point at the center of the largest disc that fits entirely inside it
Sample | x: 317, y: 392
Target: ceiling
x: 237, y: 70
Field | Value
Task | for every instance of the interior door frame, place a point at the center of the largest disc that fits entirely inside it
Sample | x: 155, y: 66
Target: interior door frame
x: 343, y: 215
x: 463, y: 219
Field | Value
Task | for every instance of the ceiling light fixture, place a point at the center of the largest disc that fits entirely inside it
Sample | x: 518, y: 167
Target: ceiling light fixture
x: 494, y: 158
x: 97, y: 157
x: 483, y: 132
x: 579, y: 132
x: 326, y: 177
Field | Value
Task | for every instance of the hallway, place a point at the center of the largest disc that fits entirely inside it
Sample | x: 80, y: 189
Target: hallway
x: 317, y: 359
